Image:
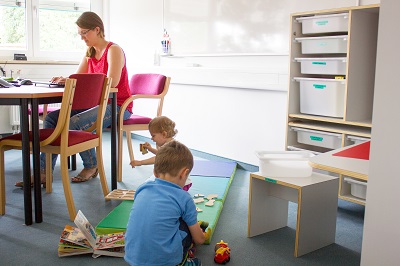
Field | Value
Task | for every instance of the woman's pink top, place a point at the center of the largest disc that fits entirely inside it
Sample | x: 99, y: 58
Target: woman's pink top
x: 101, y: 66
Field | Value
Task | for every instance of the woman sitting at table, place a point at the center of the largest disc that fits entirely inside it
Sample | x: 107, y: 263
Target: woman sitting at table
x: 104, y: 57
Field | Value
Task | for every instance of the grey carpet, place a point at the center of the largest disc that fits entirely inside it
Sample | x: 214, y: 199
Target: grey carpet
x: 37, y: 244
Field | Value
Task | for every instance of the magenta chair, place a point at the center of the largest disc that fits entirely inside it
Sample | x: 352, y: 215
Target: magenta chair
x: 143, y: 86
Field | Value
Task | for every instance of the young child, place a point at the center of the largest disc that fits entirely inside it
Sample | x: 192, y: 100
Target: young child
x: 162, y: 130
x: 163, y: 220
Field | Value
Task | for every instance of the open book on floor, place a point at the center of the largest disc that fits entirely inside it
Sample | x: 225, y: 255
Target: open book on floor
x: 73, y: 242
x: 83, y: 240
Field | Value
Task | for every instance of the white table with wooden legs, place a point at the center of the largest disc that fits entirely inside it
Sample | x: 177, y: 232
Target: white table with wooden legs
x: 316, y: 198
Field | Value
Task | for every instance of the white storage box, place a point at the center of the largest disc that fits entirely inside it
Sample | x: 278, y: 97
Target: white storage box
x: 357, y: 188
x: 284, y: 163
x: 357, y: 140
x: 322, y: 96
x: 324, y: 23
x: 318, y: 138
x: 323, y: 45
x: 328, y: 65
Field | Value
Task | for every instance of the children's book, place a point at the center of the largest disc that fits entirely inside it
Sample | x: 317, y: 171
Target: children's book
x: 98, y: 241
x: 114, y: 252
x: 73, y: 242
x: 83, y: 240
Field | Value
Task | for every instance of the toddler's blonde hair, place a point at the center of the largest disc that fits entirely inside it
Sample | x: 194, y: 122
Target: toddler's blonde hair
x: 160, y: 124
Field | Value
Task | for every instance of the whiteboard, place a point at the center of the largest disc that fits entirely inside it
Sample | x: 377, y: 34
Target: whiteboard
x: 228, y: 26
x: 237, y: 26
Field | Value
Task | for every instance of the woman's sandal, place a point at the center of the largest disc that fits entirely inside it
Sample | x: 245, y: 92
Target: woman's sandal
x: 80, y: 179
x: 21, y: 184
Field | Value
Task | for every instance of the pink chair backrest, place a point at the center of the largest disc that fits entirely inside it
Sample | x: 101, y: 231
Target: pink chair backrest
x: 148, y: 84
x: 88, y: 90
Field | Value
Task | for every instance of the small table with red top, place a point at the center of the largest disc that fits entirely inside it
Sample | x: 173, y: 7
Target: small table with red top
x: 351, y: 161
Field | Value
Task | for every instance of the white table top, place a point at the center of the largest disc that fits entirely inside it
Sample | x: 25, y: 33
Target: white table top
x: 296, y: 182
x: 30, y: 91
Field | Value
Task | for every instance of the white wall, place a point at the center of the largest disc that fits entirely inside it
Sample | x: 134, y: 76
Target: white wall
x: 382, y: 216
x: 220, y: 116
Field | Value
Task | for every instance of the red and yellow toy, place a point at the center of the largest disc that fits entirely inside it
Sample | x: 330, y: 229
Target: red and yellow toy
x: 222, y: 253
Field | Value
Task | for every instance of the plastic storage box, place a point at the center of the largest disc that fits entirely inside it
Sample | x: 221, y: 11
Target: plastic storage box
x: 318, y: 138
x: 324, y: 23
x: 323, y: 97
x: 323, y: 45
x: 357, y: 188
x: 284, y: 163
x: 327, y: 65
x: 357, y: 140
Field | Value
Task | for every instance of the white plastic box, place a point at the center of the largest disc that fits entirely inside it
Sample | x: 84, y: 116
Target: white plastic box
x: 318, y: 138
x: 323, y: 97
x: 357, y: 140
x: 324, y: 23
x: 284, y: 163
x: 324, y: 44
x: 357, y: 188
x: 327, y: 65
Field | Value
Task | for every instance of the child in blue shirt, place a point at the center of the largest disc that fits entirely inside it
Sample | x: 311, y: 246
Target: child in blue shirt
x: 163, y: 220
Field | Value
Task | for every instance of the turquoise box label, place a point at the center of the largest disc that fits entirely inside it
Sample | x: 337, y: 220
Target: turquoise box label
x: 321, y: 22
x: 270, y: 180
x: 316, y: 138
x: 319, y: 63
x: 319, y: 86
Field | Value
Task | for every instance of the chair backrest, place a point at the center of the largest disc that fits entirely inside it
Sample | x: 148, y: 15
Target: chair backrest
x: 89, y: 87
x: 92, y: 89
x: 147, y: 84
x: 65, y: 110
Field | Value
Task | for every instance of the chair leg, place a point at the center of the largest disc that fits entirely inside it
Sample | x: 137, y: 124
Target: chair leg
x: 130, y: 147
x: 100, y: 167
x: 2, y: 184
x: 120, y: 154
x: 67, y: 188
x: 49, y: 174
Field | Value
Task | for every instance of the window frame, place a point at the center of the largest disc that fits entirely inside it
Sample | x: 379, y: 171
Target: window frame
x: 33, y: 52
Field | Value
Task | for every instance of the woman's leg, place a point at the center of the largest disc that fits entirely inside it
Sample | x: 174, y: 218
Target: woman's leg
x: 83, y: 121
x: 49, y: 122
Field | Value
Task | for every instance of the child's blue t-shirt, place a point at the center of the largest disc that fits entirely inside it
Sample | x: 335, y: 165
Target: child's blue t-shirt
x: 153, y: 236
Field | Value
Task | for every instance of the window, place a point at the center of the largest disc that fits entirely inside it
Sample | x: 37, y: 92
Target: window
x: 13, y: 26
x: 42, y: 29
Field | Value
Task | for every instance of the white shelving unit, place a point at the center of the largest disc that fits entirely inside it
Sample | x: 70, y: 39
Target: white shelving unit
x: 339, y: 97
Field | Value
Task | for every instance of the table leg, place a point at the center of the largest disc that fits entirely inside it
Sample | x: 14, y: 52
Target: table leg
x: 36, y: 161
x: 266, y: 212
x: 26, y: 161
x: 316, y: 217
x: 114, y: 151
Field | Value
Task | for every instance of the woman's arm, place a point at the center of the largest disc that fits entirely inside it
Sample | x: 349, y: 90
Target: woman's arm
x: 83, y: 66
x: 116, y: 61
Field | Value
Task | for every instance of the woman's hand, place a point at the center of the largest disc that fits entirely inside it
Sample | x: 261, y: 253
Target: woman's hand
x: 58, y: 80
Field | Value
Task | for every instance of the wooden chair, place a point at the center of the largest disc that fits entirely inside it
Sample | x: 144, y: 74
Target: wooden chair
x: 15, y: 141
x: 143, y: 86
x: 91, y: 90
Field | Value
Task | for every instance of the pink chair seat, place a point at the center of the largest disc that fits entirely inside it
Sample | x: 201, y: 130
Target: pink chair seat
x: 137, y: 119
x: 49, y: 109
x: 41, y: 109
x: 74, y: 136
